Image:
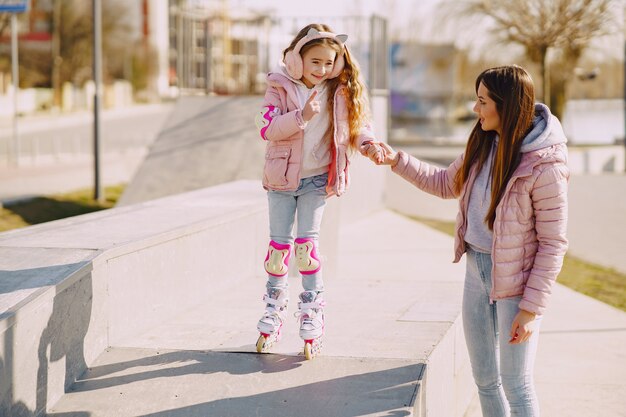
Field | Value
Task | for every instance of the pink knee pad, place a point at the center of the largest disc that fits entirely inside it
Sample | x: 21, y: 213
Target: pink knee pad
x: 277, y: 259
x: 306, y: 256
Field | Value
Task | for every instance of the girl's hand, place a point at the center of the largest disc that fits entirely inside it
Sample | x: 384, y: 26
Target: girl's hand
x: 311, y: 107
x: 522, y: 327
x: 381, y: 153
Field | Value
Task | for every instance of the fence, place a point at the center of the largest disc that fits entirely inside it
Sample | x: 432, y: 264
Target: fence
x: 230, y: 55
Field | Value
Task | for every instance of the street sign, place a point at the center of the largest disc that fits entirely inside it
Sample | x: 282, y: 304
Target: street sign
x: 14, y: 6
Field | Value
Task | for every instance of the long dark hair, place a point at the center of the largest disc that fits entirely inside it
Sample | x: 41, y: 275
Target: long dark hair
x: 513, y: 91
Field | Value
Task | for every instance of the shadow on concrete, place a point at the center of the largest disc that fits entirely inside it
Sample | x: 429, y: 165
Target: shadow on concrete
x: 382, y: 393
x: 11, y: 281
x: 63, y: 338
x: 197, y: 362
x: 385, y: 393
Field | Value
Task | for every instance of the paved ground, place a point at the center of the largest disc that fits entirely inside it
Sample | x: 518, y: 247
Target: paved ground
x: 581, y: 364
x: 378, y: 333
x: 57, y: 151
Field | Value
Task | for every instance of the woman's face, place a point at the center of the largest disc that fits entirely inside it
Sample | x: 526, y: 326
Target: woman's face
x: 317, y: 64
x: 486, y: 110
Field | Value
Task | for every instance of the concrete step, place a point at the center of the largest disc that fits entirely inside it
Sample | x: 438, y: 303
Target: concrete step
x: 127, y: 382
x: 389, y: 325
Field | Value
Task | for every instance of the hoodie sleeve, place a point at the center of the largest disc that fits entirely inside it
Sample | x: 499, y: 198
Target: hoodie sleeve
x: 273, y: 122
x: 432, y: 179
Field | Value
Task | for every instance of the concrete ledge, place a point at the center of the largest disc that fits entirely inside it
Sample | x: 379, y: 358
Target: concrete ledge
x: 173, y: 275
x: 71, y: 288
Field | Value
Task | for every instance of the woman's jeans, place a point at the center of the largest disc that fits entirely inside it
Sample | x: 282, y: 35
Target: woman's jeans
x: 308, y: 203
x: 502, y: 371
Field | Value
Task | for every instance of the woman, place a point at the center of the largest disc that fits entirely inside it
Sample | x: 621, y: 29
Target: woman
x: 511, y: 183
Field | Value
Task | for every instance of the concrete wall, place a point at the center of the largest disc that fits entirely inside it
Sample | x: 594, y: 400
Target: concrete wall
x: 71, y: 288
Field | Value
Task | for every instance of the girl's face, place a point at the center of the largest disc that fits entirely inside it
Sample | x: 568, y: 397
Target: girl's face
x: 486, y: 110
x: 317, y: 64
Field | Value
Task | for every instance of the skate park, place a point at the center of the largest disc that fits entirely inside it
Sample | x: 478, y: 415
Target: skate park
x: 149, y: 309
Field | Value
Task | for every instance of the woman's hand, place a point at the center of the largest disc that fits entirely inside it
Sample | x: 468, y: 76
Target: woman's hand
x: 522, y: 327
x: 381, y: 153
x: 311, y: 107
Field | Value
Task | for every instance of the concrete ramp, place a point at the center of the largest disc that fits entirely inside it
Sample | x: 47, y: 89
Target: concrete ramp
x: 206, y: 141
x: 161, y: 320
x: 392, y: 344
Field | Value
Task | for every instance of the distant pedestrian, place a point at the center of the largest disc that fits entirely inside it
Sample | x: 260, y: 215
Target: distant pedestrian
x: 511, y: 183
x: 314, y: 114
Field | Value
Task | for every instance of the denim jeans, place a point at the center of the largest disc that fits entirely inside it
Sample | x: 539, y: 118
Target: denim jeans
x: 502, y: 371
x: 308, y: 203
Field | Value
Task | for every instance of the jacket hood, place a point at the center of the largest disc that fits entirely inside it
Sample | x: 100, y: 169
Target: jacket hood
x: 281, y: 69
x: 546, y: 131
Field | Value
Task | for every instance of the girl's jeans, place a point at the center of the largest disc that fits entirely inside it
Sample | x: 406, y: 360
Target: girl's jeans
x: 503, y: 372
x: 308, y: 203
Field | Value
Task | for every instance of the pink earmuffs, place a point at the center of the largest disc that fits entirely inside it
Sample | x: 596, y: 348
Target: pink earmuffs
x: 293, y: 60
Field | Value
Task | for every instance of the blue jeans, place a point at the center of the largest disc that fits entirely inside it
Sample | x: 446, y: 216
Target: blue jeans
x: 308, y: 202
x: 503, y: 372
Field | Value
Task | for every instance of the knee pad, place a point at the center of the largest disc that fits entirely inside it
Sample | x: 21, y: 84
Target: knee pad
x: 306, y: 256
x: 277, y: 259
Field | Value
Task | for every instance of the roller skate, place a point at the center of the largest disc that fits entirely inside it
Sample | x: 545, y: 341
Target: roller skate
x: 270, y: 325
x: 311, y: 317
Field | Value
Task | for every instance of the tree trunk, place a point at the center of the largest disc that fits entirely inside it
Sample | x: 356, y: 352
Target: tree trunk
x: 558, y: 97
x: 545, y: 75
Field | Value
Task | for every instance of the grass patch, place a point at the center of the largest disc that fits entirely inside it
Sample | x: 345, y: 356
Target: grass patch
x: 603, y: 284
x: 48, y: 208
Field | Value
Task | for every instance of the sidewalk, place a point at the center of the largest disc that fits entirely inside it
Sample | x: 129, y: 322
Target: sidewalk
x: 56, y: 150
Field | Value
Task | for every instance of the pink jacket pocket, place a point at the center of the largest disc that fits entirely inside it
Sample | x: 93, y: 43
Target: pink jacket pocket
x: 276, y: 164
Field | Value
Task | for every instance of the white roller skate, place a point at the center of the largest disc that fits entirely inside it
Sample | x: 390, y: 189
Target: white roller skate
x: 311, y: 317
x: 270, y: 325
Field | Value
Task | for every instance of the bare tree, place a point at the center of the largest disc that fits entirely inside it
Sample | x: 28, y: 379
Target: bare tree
x: 553, y: 33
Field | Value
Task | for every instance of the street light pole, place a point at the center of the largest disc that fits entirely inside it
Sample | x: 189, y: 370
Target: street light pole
x: 16, y: 86
x: 97, y: 78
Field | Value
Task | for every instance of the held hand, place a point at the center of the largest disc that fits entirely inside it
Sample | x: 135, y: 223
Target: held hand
x: 311, y: 107
x: 522, y: 327
x: 380, y: 153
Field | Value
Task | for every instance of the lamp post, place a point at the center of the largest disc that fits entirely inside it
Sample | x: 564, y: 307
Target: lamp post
x: 97, y: 78
x: 16, y: 86
x: 14, y: 7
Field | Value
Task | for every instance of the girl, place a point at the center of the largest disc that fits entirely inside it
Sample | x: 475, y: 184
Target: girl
x: 314, y: 112
x: 512, y: 188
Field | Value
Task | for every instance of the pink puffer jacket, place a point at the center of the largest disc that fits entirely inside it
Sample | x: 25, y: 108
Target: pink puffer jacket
x: 529, y: 240
x: 280, y: 123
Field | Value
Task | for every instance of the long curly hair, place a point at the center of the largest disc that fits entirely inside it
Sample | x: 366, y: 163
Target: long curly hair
x: 349, y: 81
x: 513, y: 91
